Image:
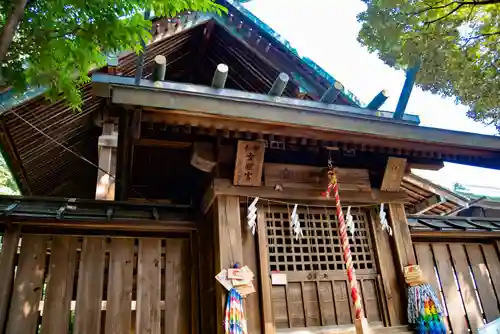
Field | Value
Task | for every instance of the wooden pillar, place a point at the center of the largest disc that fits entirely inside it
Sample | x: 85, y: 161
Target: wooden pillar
x: 108, y: 143
x: 228, y: 246
x: 265, y: 279
x: 126, y: 134
x: 401, y: 235
x: 251, y: 259
x: 402, y: 253
x: 391, y: 291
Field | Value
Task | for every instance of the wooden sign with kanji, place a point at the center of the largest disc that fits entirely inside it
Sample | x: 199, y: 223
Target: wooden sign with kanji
x: 249, y: 163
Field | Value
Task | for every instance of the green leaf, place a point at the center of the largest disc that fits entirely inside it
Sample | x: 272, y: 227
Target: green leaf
x: 59, y: 42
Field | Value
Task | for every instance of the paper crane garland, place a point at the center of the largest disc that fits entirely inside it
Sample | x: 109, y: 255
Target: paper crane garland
x: 295, y: 223
x: 252, y: 215
x: 383, y: 220
x: 425, y: 313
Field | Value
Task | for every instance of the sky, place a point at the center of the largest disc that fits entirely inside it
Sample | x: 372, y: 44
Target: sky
x: 326, y: 31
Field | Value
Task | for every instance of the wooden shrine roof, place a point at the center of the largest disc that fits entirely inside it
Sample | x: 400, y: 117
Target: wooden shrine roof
x: 82, y: 214
x: 44, y: 168
x: 453, y: 226
x: 429, y: 198
x: 287, y: 116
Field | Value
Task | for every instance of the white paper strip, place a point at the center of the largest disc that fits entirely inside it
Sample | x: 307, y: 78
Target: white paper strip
x: 252, y: 215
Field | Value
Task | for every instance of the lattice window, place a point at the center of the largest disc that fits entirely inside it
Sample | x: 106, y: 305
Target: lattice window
x: 320, y: 247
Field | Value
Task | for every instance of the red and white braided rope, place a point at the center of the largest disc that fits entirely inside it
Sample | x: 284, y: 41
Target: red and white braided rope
x: 351, y: 275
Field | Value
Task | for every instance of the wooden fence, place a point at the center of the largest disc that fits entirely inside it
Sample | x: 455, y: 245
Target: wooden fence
x: 93, y: 284
x: 467, y: 276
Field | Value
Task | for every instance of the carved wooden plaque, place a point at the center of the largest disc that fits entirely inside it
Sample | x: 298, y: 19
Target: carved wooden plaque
x: 249, y: 163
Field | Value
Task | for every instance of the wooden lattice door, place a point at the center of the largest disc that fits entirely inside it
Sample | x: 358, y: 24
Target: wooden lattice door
x: 317, y: 291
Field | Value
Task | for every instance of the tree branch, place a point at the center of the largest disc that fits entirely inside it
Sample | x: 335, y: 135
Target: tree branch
x: 459, y: 3
x: 432, y: 8
x: 10, y: 27
x: 469, y: 39
x: 446, y: 15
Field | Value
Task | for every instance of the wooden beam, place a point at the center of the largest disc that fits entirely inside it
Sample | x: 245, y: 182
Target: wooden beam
x: 437, y: 165
x: 394, y: 172
x: 332, y: 93
x: 411, y: 77
x: 245, y: 124
x: 311, y: 177
x: 108, y: 143
x: 428, y: 204
x: 224, y: 187
x: 279, y: 84
x: 159, y: 68
x: 162, y: 143
x: 220, y: 76
x: 378, y: 100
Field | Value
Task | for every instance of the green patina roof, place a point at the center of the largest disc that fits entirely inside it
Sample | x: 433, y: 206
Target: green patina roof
x: 309, y: 62
x: 465, y: 191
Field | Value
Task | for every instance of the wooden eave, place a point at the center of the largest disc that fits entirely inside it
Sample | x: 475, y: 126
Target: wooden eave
x: 288, y: 116
x: 421, y: 190
x: 80, y: 214
x: 453, y: 227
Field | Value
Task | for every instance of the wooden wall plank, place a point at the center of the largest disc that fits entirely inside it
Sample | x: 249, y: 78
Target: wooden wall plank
x: 467, y: 290
x: 370, y: 297
x: 425, y: 260
x: 8, y: 252
x: 342, y: 305
x: 296, y: 305
x: 391, y: 288
x: 120, y: 284
x: 279, y: 308
x: 250, y: 258
x: 57, y: 304
x: 493, y: 264
x: 311, y: 304
x: 450, y: 291
x: 148, y: 286
x: 28, y: 285
x: 327, y: 305
x: 90, y: 286
x: 485, y: 289
x: 177, y: 287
